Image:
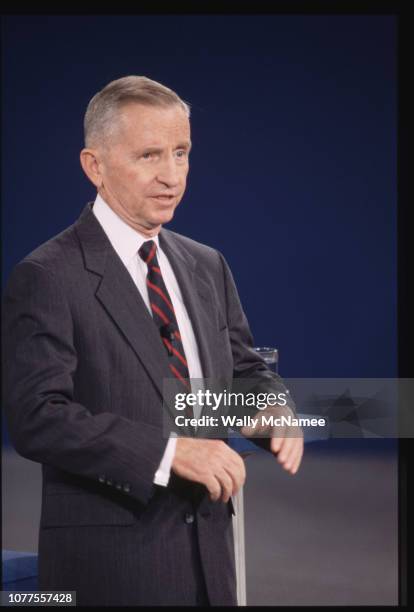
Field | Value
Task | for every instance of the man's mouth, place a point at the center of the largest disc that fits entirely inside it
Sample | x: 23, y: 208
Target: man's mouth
x: 164, y: 198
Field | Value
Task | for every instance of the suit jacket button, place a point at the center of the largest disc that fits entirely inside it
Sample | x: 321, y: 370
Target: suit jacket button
x: 127, y: 487
x: 102, y: 478
x: 109, y: 482
x: 189, y: 518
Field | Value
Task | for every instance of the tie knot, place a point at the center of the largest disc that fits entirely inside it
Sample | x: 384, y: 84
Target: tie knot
x: 148, y: 250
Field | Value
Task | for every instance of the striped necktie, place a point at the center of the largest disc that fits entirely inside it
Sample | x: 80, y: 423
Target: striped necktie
x: 164, y: 317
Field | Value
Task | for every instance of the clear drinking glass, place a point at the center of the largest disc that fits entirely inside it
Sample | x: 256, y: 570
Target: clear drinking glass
x: 270, y: 355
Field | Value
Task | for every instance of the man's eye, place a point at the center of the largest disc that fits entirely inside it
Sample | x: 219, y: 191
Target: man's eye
x: 181, y: 154
x: 147, y: 155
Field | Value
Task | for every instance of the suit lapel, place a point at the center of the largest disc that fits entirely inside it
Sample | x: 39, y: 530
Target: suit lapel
x: 196, y: 295
x: 117, y: 293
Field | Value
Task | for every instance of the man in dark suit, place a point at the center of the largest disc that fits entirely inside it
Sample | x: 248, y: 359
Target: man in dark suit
x: 95, y: 320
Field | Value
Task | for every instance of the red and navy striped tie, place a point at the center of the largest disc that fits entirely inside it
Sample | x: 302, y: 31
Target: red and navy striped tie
x: 164, y: 317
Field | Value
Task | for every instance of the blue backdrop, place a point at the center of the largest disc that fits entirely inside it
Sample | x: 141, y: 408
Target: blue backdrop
x: 293, y: 168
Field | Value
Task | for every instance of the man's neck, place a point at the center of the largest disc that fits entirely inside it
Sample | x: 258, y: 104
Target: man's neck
x: 122, y: 214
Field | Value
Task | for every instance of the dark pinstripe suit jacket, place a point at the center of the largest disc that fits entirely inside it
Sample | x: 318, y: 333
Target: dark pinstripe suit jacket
x: 83, y: 371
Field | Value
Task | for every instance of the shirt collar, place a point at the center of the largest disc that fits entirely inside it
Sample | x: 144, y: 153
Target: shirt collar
x: 125, y: 240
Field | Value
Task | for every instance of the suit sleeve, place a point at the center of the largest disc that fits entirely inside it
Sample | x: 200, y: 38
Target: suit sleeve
x: 45, y: 423
x: 248, y: 365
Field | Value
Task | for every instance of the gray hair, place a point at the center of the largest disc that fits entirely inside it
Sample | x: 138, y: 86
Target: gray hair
x: 102, y: 113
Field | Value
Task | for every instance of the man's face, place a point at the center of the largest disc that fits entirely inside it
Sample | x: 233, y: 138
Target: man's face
x: 144, y: 166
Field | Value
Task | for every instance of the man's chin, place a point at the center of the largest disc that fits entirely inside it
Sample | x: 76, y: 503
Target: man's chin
x: 163, y: 217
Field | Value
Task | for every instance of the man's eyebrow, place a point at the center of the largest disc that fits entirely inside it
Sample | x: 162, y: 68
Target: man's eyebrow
x: 185, y: 145
x: 155, y: 149
x: 148, y: 149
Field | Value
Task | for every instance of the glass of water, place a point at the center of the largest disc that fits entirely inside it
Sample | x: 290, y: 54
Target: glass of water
x: 270, y: 356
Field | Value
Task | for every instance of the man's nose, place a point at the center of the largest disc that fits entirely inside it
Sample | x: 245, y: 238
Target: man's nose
x: 168, y: 172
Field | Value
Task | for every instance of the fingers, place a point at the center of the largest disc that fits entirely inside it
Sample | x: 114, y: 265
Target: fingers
x: 287, y: 446
x: 212, y: 463
x: 290, y: 454
x: 227, y: 484
x: 214, y: 488
x: 238, y: 476
x: 296, y: 462
x: 231, y: 473
x: 277, y: 441
x: 224, y: 484
x: 286, y: 443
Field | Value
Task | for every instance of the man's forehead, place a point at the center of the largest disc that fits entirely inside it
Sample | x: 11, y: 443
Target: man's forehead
x: 146, y: 114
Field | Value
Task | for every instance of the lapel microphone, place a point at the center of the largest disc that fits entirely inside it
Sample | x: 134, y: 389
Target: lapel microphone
x: 167, y: 331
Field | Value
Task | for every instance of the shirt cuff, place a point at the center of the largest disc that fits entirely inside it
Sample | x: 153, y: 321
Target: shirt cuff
x: 162, y: 475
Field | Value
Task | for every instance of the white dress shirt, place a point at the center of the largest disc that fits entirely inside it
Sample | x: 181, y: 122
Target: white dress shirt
x: 126, y: 242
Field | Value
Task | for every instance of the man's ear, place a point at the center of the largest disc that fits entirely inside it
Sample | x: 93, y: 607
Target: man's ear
x: 90, y: 164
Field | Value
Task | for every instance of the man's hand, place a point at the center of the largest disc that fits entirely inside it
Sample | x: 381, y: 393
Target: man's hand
x: 211, y: 462
x: 286, y: 441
